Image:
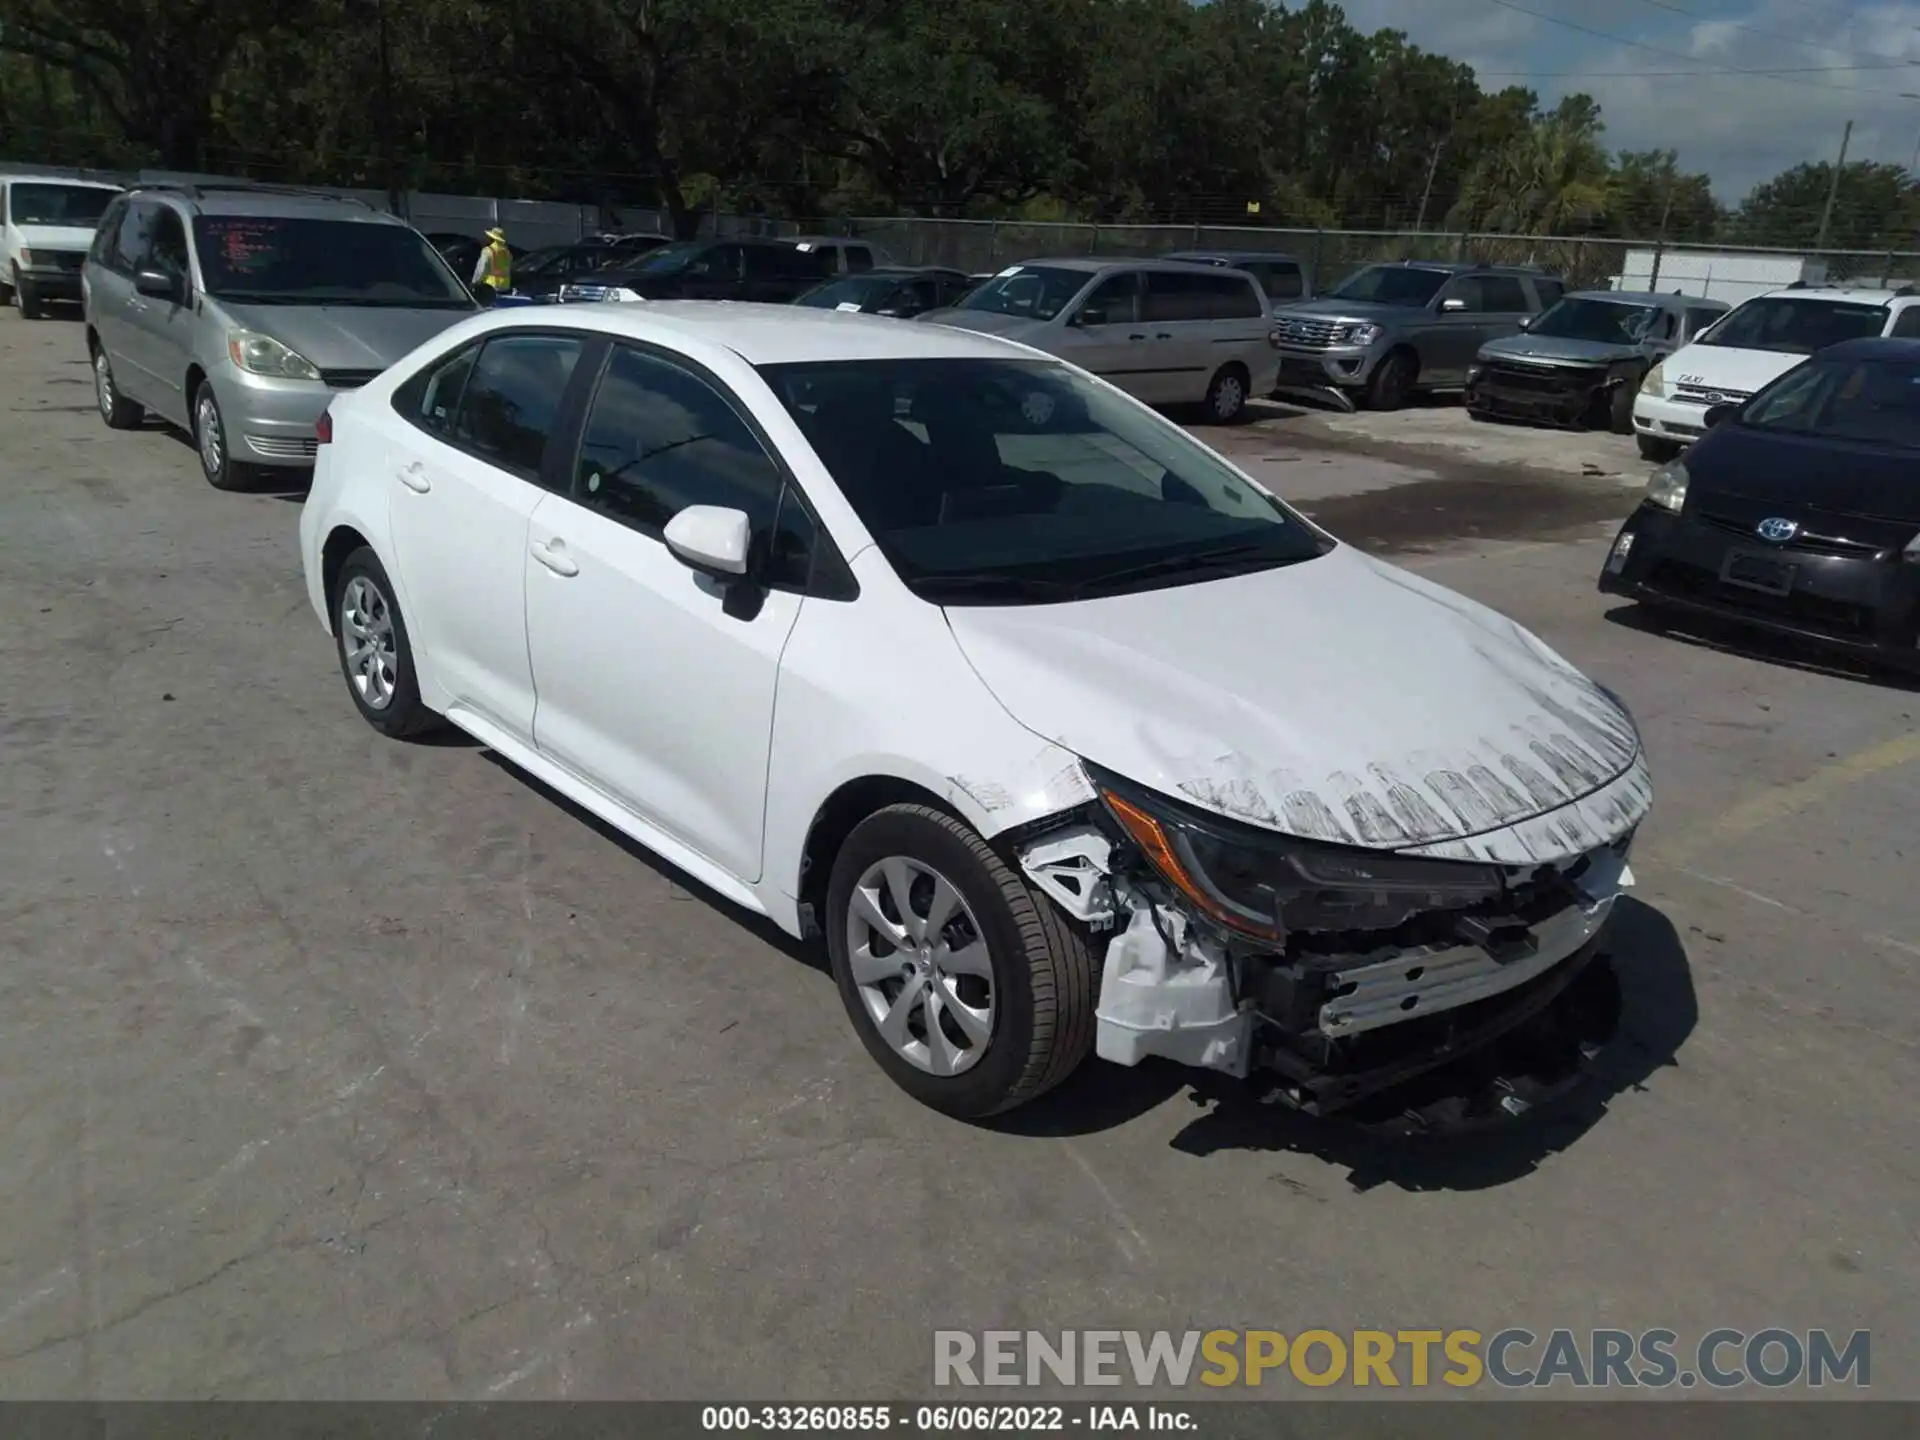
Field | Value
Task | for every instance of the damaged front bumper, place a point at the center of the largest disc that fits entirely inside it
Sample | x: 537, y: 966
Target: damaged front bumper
x: 1344, y: 1019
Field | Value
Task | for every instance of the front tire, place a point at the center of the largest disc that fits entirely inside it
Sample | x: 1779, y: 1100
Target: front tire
x: 32, y: 307
x: 211, y: 443
x: 1655, y: 449
x: 1227, y: 396
x: 1620, y: 408
x: 376, y: 657
x: 973, y: 993
x: 1391, y: 382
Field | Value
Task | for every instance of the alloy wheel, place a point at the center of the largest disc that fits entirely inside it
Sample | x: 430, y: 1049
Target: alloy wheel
x: 103, y: 385
x: 366, y: 630
x: 919, y: 962
x: 213, y: 445
x: 1228, y: 396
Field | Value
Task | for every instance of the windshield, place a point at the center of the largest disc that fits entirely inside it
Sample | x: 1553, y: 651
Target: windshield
x: 1033, y: 292
x: 1390, y: 285
x: 1795, y: 327
x: 1873, y: 401
x: 848, y: 290
x: 1011, y: 481
x: 667, y: 259
x: 79, y: 206
x: 1608, y: 321
x: 293, y: 260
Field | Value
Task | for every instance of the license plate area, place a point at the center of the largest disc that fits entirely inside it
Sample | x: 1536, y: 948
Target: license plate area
x: 1767, y: 574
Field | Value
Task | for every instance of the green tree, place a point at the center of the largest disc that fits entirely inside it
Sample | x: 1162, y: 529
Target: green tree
x: 1552, y: 179
x: 1650, y: 190
x: 1877, y: 207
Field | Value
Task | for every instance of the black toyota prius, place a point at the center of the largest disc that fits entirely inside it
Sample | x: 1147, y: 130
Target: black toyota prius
x: 1798, y: 511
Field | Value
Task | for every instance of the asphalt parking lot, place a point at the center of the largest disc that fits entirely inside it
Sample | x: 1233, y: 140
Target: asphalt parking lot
x: 338, y: 1067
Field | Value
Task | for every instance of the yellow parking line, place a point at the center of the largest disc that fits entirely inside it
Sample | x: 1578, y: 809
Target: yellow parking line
x: 1778, y: 805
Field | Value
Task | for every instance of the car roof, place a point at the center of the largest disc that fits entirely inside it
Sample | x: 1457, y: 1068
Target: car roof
x: 9, y: 178
x: 769, y: 334
x: 1235, y: 255
x: 1854, y: 295
x: 1099, y: 264
x: 269, y: 202
x: 1875, y: 347
x: 1670, y: 298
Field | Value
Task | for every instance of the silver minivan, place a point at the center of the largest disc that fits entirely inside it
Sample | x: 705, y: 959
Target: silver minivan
x: 238, y: 311
x: 1166, y: 332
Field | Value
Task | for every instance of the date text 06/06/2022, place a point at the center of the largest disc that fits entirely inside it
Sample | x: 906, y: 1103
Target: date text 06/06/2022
x: 945, y: 1419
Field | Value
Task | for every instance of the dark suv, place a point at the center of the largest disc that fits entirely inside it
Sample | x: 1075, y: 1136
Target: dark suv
x: 766, y: 270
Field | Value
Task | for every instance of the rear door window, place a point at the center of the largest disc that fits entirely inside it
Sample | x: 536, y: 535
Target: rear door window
x: 511, y: 401
x: 1549, y: 292
x: 1173, y: 296
x: 1503, y: 295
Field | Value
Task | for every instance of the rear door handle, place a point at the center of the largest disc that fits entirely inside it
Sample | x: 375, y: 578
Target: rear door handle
x: 1163, y: 335
x: 553, y: 555
x: 414, y: 477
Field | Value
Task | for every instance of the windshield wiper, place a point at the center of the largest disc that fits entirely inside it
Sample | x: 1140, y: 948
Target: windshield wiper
x: 1220, y: 557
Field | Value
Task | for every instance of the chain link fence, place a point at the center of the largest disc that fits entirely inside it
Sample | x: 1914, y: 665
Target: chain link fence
x: 983, y: 246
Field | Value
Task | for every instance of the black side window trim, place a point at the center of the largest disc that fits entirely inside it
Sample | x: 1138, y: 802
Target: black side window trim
x: 828, y: 576
x: 563, y: 438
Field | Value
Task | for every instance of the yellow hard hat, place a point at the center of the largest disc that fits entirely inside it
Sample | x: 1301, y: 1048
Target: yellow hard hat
x: 497, y: 234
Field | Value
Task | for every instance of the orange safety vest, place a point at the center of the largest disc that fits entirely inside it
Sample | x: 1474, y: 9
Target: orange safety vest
x: 499, y: 266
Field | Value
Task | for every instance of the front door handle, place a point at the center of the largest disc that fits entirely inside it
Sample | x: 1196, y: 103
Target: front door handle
x: 414, y: 477
x: 1136, y: 336
x: 553, y: 555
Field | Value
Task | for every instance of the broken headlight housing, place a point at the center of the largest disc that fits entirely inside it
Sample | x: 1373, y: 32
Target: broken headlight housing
x: 1264, y: 884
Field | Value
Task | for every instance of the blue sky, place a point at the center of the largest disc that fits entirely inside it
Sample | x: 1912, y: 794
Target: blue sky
x: 1738, y: 128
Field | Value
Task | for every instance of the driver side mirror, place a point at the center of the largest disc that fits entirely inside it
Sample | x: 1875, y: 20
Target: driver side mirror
x: 160, y: 285
x: 1720, y: 414
x: 1526, y: 322
x: 1452, y: 307
x: 1089, y: 315
x: 710, y: 539
x: 482, y: 292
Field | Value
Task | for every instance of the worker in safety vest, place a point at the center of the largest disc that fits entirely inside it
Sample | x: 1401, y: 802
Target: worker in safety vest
x: 495, y: 265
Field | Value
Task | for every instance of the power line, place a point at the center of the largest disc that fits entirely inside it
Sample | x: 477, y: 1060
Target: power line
x: 1679, y: 55
x: 1653, y: 74
x: 1673, y: 9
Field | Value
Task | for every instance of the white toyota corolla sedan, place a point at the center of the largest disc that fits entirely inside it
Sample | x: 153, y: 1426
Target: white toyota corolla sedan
x: 1065, y: 733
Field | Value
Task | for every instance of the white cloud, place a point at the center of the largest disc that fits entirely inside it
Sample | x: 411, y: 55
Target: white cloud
x: 1740, y: 129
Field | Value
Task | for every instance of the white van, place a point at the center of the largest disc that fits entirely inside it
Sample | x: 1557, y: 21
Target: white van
x: 1757, y: 342
x: 48, y: 224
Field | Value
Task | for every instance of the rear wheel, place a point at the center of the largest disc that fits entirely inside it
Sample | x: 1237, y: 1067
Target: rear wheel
x: 1655, y: 449
x: 119, y: 412
x: 376, y: 657
x: 1227, y: 395
x: 1391, y: 382
x: 973, y: 993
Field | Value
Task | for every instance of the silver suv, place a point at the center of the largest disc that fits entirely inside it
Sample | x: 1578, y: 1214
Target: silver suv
x: 237, y: 311
x: 1387, y: 331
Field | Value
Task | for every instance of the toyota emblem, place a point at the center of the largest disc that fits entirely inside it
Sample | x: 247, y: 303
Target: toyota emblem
x: 1777, y: 530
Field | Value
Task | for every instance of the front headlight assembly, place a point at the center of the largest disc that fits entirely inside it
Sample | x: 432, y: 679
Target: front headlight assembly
x: 1363, y: 333
x: 259, y: 354
x: 1264, y: 885
x: 1667, y: 487
x: 1655, y: 382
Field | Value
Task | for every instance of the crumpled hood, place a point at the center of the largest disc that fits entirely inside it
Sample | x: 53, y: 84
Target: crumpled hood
x: 988, y: 322
x: 1722, y: 367
x: 346, y: 337
x: 1554, y: 350
x: 1338, y: 699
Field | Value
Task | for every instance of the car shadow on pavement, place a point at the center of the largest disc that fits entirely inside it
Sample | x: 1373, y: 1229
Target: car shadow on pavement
x: 1657, y: 1013
x: 681, y: 885
x: 1709, y: 633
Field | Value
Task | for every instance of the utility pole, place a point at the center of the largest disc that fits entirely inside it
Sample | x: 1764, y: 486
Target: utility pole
x: 387, y: 157
x: 1833, y: 190
x: 1660, y: 236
